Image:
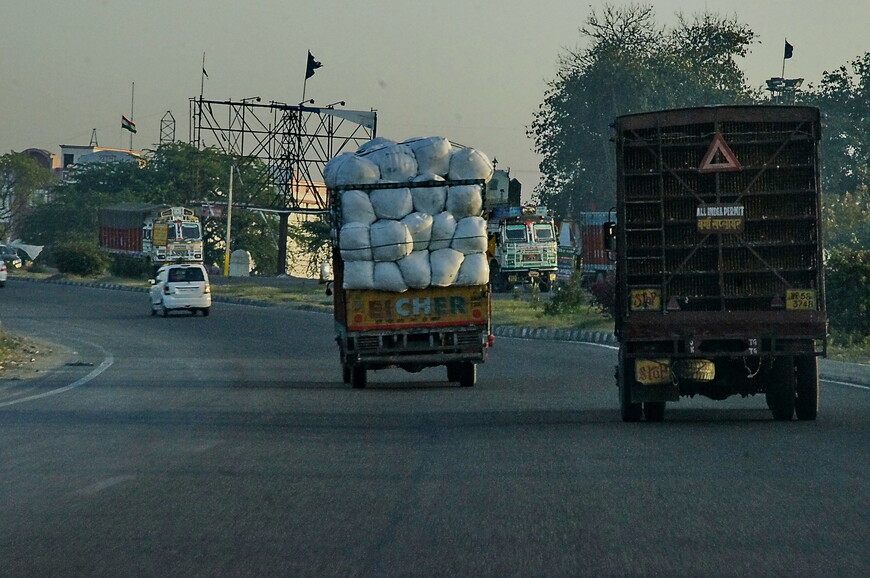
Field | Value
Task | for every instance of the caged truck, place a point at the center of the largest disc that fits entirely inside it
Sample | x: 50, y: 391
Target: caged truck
x: 720, y: 282
x: 413, y: 329
x: 157, y: 234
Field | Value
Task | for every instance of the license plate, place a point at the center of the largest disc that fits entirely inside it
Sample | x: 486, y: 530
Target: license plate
x: 800, y: 300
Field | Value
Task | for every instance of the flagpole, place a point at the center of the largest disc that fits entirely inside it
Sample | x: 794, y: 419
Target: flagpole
x: 132, y: 97
x: 202, y: 78
x: 782, y: 75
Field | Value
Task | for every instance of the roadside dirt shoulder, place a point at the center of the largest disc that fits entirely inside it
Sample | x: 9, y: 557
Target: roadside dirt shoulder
x: 24, y: 358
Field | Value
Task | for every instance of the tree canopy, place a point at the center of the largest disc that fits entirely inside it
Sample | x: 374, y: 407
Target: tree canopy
x: 173, y: 174
x: 631, y: 64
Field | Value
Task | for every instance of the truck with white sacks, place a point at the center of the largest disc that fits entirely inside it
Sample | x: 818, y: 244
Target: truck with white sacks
x: 411, y: 278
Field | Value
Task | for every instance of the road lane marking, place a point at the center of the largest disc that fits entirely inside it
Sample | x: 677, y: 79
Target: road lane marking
x: 847, y: 384
x: 108, y: 361
x: 103, y: 485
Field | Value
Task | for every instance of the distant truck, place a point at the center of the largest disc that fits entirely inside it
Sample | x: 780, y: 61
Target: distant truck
x: 582, y: 241
x: 522, y: 244
x: 720, y: 281
x: 413, y: 329
x: 157, y: 234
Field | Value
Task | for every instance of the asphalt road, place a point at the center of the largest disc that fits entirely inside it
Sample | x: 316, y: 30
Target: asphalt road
x: 228, y: 446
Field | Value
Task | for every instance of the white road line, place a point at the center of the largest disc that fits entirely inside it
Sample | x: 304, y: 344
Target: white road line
x: 102, y: 485
x: 847, y: 384
x: 108, y: 361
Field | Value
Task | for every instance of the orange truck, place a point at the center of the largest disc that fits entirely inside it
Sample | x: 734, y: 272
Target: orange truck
x: 411, y: 330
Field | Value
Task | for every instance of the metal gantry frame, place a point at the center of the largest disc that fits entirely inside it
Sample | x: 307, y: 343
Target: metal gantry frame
x: 293, y: 141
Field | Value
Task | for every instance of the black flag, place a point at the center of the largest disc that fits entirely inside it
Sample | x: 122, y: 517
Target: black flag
x: 789, y: 50
x: 312, y: 65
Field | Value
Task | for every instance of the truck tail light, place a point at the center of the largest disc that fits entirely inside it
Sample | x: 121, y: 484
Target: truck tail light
x: 207, y: 289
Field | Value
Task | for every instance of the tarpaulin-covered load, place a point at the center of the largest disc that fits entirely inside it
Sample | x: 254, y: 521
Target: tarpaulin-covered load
x: 414, y: 232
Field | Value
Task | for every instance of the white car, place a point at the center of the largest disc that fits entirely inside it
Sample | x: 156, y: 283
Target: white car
x: 180, y: 287
x: 3, y: 273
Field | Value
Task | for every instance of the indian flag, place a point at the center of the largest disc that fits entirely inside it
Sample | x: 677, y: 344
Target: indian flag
x: 128, y: 124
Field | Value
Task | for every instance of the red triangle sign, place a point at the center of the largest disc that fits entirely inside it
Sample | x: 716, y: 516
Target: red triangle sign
x: 719, y: 157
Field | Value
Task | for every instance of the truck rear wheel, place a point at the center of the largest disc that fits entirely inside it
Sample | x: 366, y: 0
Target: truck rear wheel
x: 467, y: 374
x: 453, y: 372
x: 806, y: 403
x: 654, y: 410
x: 358, y: 377
x: 625, y: 378
x: 345, y: 373
x: 780, y: 390
x: 496, y: 280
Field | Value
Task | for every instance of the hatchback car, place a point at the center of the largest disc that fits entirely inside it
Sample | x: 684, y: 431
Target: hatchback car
x: 180, y: 287
x: 10, y: 256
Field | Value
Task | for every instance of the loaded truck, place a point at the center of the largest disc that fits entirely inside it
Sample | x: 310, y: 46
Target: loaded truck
x: 157, y: 234
x: 522, y: 244
x: 595, y: 261
x: 411, y: 329
x: 719, y: 263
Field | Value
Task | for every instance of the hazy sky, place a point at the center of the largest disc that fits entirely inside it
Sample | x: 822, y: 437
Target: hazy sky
x: 471, y: 71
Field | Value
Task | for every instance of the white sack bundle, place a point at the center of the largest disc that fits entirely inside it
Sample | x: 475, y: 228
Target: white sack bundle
x: 388, y: 277
x: 391, y: 240
x: 470, y: 236
x: 355, y: 242
x: 428, y: 199
x: 469, y: 163
x: 391, y: 203
x: 445, y: 265
x: 359, y: 275
x: 396, y: 163
x: 473, y: 271
x: 416, y: 270
x: 356, y: 207
x: 443, y: 227
x: 432, y: 154
x: 420, y: 227
x: 464, y: 201
x: 376, y: 143
x: 349, y: 169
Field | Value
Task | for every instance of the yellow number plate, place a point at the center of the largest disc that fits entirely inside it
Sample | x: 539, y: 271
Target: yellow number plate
x: 646, y: 300
x: 800, y: 299
x: 649, y: 371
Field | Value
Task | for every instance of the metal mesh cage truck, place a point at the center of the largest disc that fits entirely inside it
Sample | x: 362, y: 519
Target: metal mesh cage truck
x: 412, y: 329
x: 720, y: 280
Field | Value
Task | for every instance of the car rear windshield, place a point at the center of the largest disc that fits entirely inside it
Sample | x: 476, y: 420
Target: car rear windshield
x: 186, y: 274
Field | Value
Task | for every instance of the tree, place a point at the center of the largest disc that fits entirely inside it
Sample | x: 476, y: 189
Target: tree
x: 630, y: 65
x: 843, y: 96
x: 21, y: 178
x: 173, y: 174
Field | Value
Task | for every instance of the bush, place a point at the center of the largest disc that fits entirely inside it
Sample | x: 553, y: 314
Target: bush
x: 604, y: 295
x: 129, y: 267
x: 847, y: 284
x: 78, y: 258
x: 567, y: 297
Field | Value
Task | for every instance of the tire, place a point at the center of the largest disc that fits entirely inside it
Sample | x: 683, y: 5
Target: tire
x: 544, y: 286
x: 153, y: 311
x: 495, y: 279
x: 625, y: 377
x: 806, y: 388
x: 345, y: 373
x: 780, y: 391
x: 654, y: 410
x: 453, y: 372
x: 467, y: 374
x: 165, y: 310
x: 206, y: 311
x: 358, y: 377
